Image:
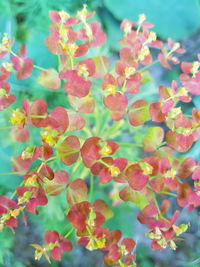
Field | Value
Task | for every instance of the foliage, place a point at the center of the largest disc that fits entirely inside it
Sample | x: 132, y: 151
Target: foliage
x: 100, y: 133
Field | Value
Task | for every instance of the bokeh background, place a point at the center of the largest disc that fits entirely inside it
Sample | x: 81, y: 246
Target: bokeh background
x: 27, y: 21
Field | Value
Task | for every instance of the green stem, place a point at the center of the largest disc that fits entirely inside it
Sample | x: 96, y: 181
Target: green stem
x: 103, y: 64
x: 159, y: 211
x: 162, y: 144
x: 68, y: 153
x: 69, y: 233
x: 52, y: 158
x: 38, y: 116
x: 124, y: 85
x: 156, y: 203
x: 13, y: 53
x: 91, y: 187
x: 40, y: 68
x: 72, y: 62
x: 128, y: 145
x: 76, y: 167
x: 168, y: 193
x: 103, y: 162
x: 5, y: 128
x: 57, y: 189
x: 12, y: 173
x: 169, y: 155
x: 148, y: 66
x: 40, y: 167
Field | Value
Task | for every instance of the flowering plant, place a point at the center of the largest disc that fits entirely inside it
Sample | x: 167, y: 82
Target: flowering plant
x: 80, y: 136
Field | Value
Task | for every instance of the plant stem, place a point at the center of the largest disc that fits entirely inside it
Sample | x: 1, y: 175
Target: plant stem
x: 57, y: 189
x: 13, y: 53
x: 37, y: 116
x: 11, y: 173
x: 148, y: 66
x: 91, y: 187
x: 72, y: 62
x: 69, y: 233
x: 106, y: 164
x: 129, y: 145
x: 169, y: 193
x: 39, y: 68
x: 5, y: 128
x: 103, y: 64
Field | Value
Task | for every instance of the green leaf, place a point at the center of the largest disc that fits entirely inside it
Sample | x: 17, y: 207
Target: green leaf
x: 129, y: 195
x: 153, y: 139
x: 171, y: 18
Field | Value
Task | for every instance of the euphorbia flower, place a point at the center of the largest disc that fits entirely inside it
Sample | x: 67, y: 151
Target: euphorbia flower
x: 108, y: 168
x: 63, y: 18
x: 94, y: 148
x: 9, y: 210
x: 75, y: 85
x: 6, y: 99
x: 84, y: 215
x: 92, y: 34
x: 5, y: 45
x: 31, y: 197
x: 59, y: 244
x: 167, y: 56
x: 190, y: 77
x: 31, y: 114
x: 114, y: 100
x: 120, y: 251
x: 181, y: 142
x: 60, y: 39
x: 95, y: 240
x: 55, y: 125
x: 56, y: 244
x: 129, y: 80
x: 21, y: 64
x: 164, y: 230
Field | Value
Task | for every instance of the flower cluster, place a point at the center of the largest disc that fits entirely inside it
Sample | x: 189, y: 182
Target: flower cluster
x: 89, y: 83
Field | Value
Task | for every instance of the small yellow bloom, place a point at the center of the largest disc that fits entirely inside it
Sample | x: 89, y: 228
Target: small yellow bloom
x: 18, y: 117
x: 105, y: 150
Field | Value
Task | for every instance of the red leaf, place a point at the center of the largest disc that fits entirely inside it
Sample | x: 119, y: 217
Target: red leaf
x: 50, y: 79
x: 77, y: 192
x: 135, y: 177
x: 139, y: 113
x: 68, y: 150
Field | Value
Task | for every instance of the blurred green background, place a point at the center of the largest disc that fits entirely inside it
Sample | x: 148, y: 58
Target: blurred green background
x: 27, y: 21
